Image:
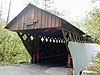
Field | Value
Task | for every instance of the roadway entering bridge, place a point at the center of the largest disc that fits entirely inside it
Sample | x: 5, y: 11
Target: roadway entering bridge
x: 33, y: 69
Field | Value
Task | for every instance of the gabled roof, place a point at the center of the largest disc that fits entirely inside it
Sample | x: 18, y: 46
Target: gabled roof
x: 22, y: 12
x: 61, y: 23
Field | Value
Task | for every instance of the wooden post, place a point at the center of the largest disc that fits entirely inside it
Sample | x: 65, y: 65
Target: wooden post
x: 36, y: 55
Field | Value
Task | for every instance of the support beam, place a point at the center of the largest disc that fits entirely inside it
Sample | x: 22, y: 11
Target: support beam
x: 28, y: 41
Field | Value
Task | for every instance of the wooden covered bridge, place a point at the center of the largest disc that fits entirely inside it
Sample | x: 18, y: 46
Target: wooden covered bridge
x: 45, y: 35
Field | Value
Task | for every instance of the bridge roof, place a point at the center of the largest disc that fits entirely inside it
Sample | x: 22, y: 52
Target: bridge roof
x: 34, y: 18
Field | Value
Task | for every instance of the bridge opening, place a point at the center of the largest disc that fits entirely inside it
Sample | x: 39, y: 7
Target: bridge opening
x: 46, y: 46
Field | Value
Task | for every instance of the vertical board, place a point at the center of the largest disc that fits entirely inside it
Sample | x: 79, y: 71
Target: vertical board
x: 18, y: 24
x: 39, y: 17
x: 32, y: 15
x: 46, y: 19
x: 49, y: 20
x: 53, y: 21
x: 43, y: 19
x: 22, y: 22
x: 35, y: 17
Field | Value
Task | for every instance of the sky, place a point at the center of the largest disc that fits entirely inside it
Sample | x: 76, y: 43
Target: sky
x: 73, y: 9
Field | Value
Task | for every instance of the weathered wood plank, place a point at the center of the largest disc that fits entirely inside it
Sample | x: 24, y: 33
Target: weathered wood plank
x: 39, y: 18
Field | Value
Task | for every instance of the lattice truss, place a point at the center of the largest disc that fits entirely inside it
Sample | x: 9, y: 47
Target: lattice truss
x: 48, y: 49
x: 52, y: 49
x: 69, y: 36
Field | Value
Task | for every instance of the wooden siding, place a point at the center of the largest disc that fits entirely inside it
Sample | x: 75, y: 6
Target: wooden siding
x: 34, y: 18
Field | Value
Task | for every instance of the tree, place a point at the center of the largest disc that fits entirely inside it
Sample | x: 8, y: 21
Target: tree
x: 11, y: 47
x: 1, y: 9
x: 47, y: 4
x: 91, y: 24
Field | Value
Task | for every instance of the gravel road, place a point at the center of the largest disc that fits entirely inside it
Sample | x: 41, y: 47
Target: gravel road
x: 33, y: 69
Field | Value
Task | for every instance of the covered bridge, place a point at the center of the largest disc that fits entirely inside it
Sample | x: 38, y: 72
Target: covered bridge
x: 45, y: 35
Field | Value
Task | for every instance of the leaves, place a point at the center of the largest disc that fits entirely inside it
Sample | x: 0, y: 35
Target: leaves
x: 11, y: 47
x: 91, y: 24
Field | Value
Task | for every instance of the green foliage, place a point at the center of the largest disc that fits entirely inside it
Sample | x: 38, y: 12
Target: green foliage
x: 11, y: 47
x: 2, y: 21
x: 91, y: 24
